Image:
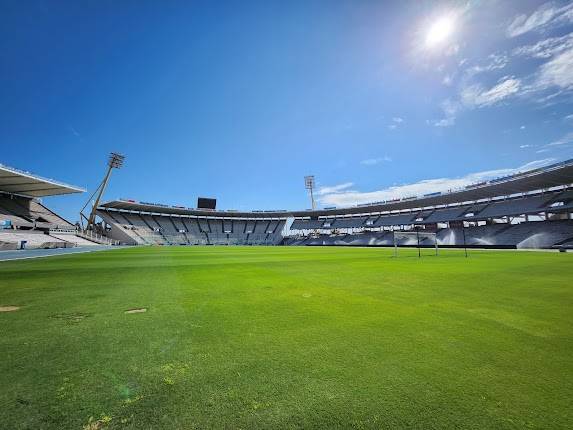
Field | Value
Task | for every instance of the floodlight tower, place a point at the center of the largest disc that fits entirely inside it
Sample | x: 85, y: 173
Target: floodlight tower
x: 115, y: 161
x: 309, y: 185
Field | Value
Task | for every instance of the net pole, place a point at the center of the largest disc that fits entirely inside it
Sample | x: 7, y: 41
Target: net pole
x: 395, y: 244
x: 436, y: 243
x: 465, y: 246
x: 418, y: 238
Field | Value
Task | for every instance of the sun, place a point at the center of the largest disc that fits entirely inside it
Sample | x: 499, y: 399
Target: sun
x: 440, y: 31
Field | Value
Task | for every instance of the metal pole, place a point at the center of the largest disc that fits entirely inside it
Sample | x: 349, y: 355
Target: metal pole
x: 418, y: 237
x: 96, y: 203
x: 465, y: 246
x: 312, y: 198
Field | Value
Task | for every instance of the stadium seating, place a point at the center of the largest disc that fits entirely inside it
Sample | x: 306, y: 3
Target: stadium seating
x: 527, y: 235
x: 30, y: 213
x: 32, y: 239
x: 518, y: 206
x: 507, y: 223
x: 354, y: 222
x: 394, y: 220
x: 72, y: 238
x: 150, y: 229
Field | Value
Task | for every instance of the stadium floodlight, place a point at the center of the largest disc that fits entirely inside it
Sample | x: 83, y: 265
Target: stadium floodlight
x: 115, y: 161
x: 309, y: 185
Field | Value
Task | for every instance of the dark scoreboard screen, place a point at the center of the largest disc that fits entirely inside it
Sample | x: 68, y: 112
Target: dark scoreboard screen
x: 205, y: 203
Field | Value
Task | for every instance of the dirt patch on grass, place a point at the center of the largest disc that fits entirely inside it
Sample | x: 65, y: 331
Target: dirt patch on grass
x: 73, y: 317
x: 9, y: 308
x: 136, y: 311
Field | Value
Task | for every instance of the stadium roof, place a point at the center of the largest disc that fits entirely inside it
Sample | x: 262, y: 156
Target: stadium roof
x: 533, y: 180
x: 25, y: 183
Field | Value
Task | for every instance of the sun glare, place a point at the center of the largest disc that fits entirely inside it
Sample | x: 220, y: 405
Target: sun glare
x: 440, y: 31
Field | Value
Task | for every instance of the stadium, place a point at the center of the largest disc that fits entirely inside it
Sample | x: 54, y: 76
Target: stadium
x: 217, y: 303
x: 528, y: 210
x: 337, y: 215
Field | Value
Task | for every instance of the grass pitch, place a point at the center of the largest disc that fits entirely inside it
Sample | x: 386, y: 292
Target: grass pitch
x: 287, y: 338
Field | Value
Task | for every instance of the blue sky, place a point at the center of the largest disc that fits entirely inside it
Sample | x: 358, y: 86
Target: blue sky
x: 240, y: 100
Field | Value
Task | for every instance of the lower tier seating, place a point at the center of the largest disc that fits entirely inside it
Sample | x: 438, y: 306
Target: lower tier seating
x: 527, y: 235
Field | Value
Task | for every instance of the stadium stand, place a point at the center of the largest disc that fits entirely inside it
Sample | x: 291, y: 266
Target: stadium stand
x: 25, y: 222
x: 529, y: 235
x: 148, y: 229
x: 530, y: 209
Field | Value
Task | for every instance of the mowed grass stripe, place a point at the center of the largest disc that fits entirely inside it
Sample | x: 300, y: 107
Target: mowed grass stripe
x: 287, y: 337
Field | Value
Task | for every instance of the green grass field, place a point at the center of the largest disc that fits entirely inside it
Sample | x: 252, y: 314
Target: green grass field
x: 287, y: 338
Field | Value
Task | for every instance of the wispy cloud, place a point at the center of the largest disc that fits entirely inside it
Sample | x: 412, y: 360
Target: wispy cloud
x: 76, y: 133
x: 475, y: 96
x: 547, y: 15
x: 374, y: 161
x: 495, y: 62
x: 450, y: 109
x: 565, y: 140
x: 448, y: 79
x: 556, y: 73
x: 334, y: 189
x: 545, y: 84
x: 396, y: 121
x: 343, y: 196
x: 478, y: 96
x: 545, y: 48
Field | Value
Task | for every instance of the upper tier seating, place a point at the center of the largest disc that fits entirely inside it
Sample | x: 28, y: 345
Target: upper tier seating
x: 389, y: 220
x: 530, y: 204
x: 355, y: 222
x: 29, y: 213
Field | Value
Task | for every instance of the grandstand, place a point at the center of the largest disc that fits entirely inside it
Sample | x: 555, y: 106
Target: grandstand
x: 25, y: 222
x: 532, y: 209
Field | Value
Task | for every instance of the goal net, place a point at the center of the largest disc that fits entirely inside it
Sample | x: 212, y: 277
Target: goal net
x: 415, y: 239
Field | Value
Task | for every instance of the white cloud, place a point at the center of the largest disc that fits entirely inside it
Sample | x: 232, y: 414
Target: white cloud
x: 546, y: 48
x: 522, y: 127
x: 557, y: 72
x: 526, y: 146
x: 569, y: 117
x: 450, y: 109
x: 477, y: 96
x: 334, y: 189
x: 565, y: 140
x: 496, y: 62
x: 547, y: 15
x: 347, y: 197
x: 374, y: 161
x: 446, y: 122
x: 396, y: 121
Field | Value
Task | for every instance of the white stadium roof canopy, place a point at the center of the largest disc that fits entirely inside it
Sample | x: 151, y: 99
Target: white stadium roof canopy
x: 15, y: 181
